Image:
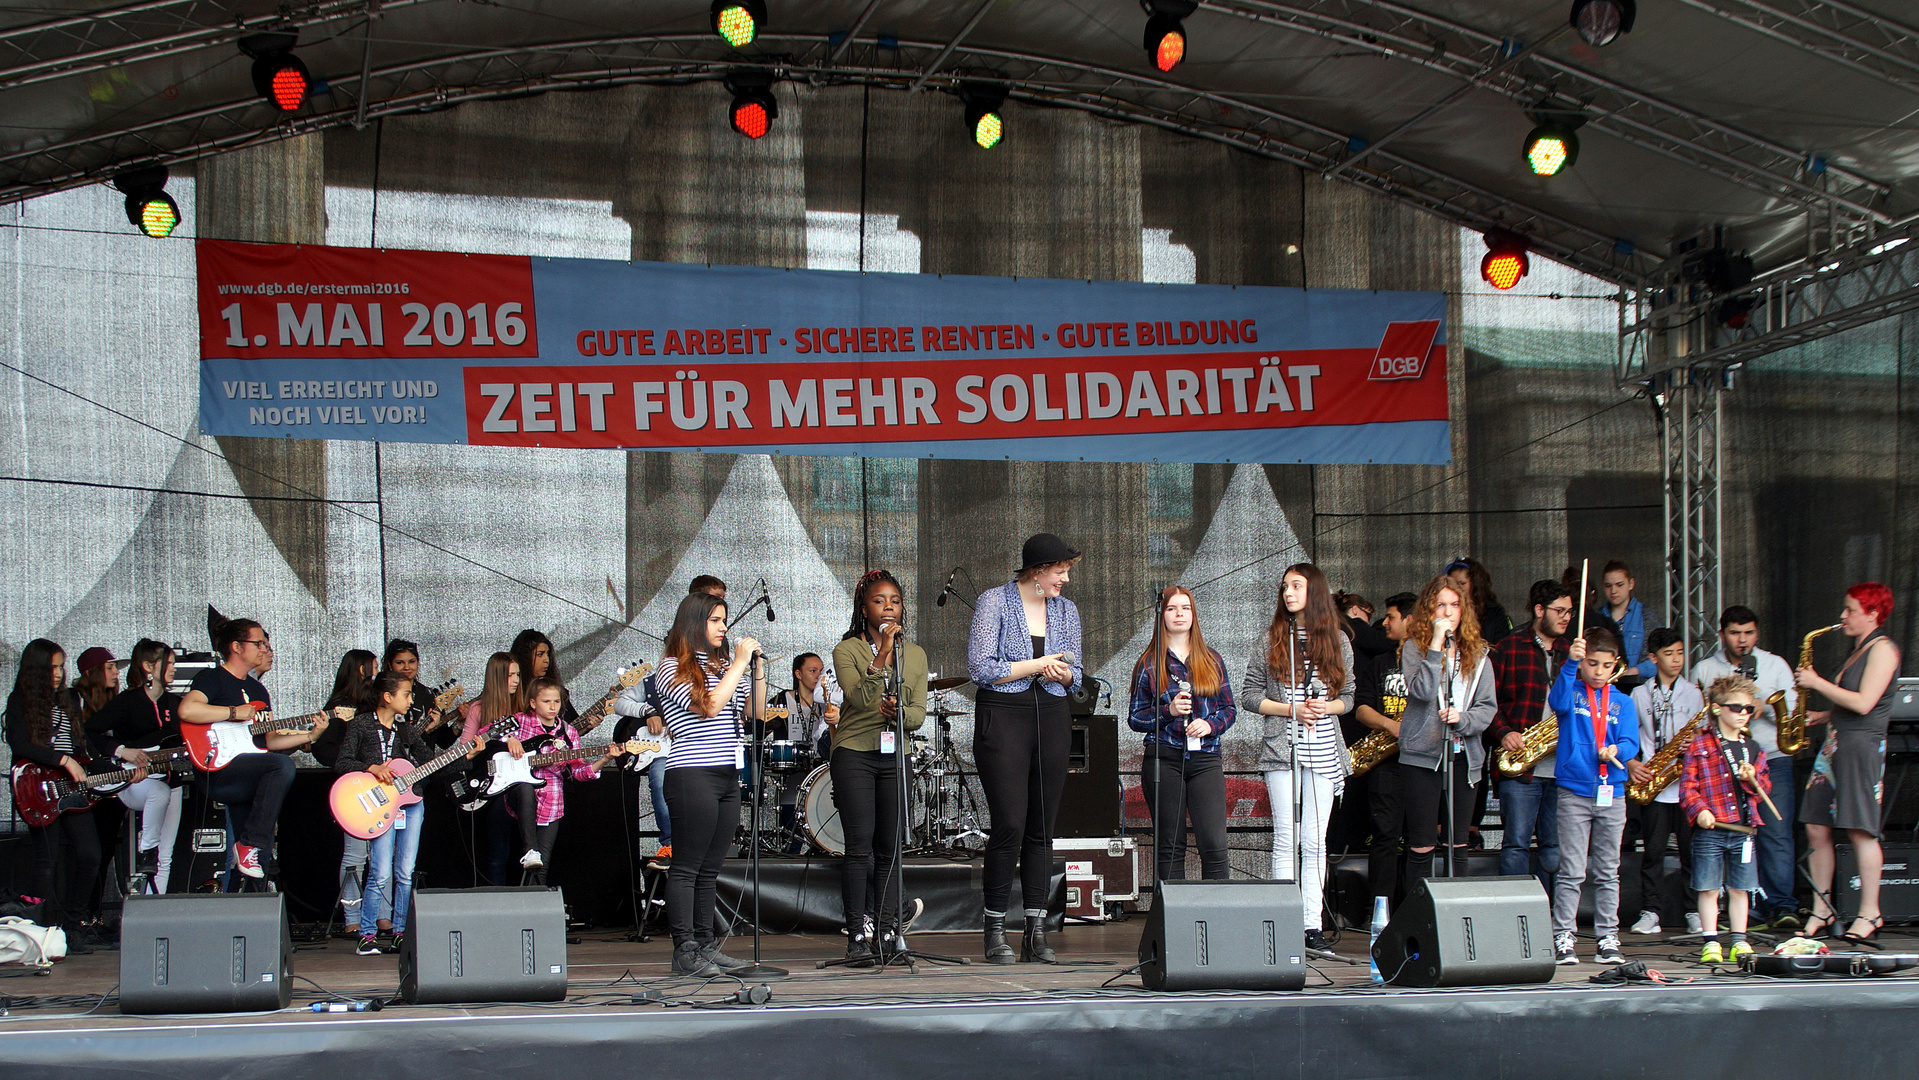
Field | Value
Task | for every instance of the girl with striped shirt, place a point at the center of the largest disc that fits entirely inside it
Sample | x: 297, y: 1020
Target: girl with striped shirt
x: 704, y: 691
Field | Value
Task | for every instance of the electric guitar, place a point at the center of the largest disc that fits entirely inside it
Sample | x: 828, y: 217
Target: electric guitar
x: 445, y: 696
x: 215, y: 745
x: 492, y: 774
x: 629, y: 678
x: 475, y: 787
x: 365, y: 806
x: 43, y: 794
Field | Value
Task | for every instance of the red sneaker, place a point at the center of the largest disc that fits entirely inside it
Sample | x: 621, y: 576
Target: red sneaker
x: 247, y: 860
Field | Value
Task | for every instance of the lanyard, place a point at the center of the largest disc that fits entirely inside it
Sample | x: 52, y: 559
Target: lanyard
x: 386, y: 742
x: 1735, y: 762
x: 1600, y: 703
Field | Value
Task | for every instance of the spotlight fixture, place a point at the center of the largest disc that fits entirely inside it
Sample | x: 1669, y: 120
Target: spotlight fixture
x: 754, y: 106
x: 1165, y: 34
x: 148, y: 204
x: 1552, y: 146
x: 1505, y: 262
x: 739, y: 21
x: 278, y: 75
x: 1601, y: 21
x: 983, y: 102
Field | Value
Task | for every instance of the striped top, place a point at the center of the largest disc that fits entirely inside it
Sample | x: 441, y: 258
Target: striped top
x: 699, y: 741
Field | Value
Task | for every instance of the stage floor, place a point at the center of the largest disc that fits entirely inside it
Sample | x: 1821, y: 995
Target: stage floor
x: 627, y: 1013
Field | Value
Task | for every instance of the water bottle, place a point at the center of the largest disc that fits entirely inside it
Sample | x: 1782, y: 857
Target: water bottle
x: 1378, y: 927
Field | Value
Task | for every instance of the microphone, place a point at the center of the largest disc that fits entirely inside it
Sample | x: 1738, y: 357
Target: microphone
x: 768, y: 597
x: 947, y: 588
x: 1066, y: 657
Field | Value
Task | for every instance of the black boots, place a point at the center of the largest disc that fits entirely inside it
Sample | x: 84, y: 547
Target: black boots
x: 861, y: 949
x: 1034, y: 945
x: 997, y: 950
x: 690, y: 959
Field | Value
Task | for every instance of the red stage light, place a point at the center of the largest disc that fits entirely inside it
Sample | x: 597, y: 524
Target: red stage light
x: 1165, y: 42
x: 750, y: 119
x: 1505, y: 262
x: 282, y: 79
x: 289, y: 88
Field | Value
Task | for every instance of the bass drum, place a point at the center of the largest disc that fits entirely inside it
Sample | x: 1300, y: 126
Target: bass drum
x: 819, y: 814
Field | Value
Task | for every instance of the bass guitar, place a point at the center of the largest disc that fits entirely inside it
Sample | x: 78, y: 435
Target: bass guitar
x: 215, y: 745
x: 42, y: 794
x: 365, y: 805
x: 445, y: 697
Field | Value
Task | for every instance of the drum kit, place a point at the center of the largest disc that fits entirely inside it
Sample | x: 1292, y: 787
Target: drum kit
x: 945, y: 816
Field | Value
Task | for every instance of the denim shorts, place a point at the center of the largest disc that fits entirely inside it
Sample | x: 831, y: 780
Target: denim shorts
x: 1720, y: 857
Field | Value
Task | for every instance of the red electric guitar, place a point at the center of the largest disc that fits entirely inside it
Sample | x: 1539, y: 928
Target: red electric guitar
x: 215, y: 745
x: 42, y: 794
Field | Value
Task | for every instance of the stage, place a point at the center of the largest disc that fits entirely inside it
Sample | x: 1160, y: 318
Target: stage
x: 626, y: 1015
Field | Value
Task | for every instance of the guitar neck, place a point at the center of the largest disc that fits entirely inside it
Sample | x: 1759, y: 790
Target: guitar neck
x: 304, y: 723
x: 458, y: 749
x: 554, y: 757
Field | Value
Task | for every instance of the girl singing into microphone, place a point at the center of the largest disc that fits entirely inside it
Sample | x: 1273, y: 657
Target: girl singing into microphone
x: 1300, y: 679
x: 1449, y: 702
x: 884, y: 678
x: 1024, y: 654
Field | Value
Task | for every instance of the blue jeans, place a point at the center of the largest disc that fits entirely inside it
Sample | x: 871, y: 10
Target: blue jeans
x: 656, y: 783
x: 1526, y: 810
x: 1777, y: 859
x: 1719, y: 858
x: 352, y: 864
x: 390, y: 858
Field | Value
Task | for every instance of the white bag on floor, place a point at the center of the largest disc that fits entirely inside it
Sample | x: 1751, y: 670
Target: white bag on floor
x: 23, y: 941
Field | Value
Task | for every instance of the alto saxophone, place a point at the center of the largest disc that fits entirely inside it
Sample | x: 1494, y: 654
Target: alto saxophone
x: 1792, y: 726
x: 1537, y: 741
x: 1376, y: 747
x: 1667, y: 763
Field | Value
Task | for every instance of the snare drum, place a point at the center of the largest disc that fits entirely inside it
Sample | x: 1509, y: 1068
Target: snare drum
x: 819, y: 815
x: 784, y: 755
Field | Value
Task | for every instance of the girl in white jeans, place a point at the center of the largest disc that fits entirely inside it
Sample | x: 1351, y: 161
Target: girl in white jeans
x: 1300, y: 681
x: 139, y: 719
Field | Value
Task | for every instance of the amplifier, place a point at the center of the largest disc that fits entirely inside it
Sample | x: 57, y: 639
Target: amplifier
x: 1090, y: 804
x: 1224, y: 935
x: 205, y: 952
x: 479, y: 945
x: 1898, y: 882
x: 1905, y: 699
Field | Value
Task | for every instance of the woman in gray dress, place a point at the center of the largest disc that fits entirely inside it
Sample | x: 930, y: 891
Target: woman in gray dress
x: 1845, y: 788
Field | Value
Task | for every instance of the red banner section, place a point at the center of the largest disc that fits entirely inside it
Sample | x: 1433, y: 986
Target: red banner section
x: 764, y: 404
x: 285, y: 301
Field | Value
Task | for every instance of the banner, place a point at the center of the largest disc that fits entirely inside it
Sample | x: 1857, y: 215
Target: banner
x: 416, y: 346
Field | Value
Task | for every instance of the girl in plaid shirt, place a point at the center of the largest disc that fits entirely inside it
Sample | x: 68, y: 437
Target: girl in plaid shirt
x: 539, y: 811
x: 1721, y: 792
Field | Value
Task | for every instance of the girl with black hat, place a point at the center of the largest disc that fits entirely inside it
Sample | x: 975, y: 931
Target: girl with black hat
x: 1024, y: 653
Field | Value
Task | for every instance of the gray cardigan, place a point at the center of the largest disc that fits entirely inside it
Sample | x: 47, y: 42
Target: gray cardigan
x: 1421, y: 739
x: 1276, y: 749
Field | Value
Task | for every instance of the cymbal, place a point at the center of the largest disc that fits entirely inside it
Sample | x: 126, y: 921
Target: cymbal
x: 948, y: 683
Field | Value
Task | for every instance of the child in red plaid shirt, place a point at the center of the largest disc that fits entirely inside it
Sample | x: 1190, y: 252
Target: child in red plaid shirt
x: 539, y: 811
x: 1721, y: 793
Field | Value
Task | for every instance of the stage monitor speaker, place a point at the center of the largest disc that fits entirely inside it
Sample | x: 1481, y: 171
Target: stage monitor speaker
x: 205, y: 952
x: 1475, y: 931
x: 477, y: 945
x: 1898, y: 881
x: 1224, y: 935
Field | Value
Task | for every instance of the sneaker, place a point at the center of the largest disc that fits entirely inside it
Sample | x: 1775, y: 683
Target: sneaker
x: 1316, y: 941
x: 246, y: 859
x: 1692, y: 923
x: 147, y: 861
x: 1711, y: 954
x: 914, y: 909
x: 531, y: 860
x: 369, y: 946
x: 1609, y: 951
x: 660, y: 859
x: 1786, y: 920
x: 1648, y: 923
x: 689, y: 959
x: 399, y: 940
x: 1741, y: 952
x: 1563, y: 954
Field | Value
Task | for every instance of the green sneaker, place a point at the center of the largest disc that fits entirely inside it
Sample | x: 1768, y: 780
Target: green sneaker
x: 1711, y: 954
x: 1740, y: 951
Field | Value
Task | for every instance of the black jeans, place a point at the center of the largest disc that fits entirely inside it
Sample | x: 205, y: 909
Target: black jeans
x: 1422, y: 795
x: 705, y: 804
x: 1389, y: 829
x: 1022, y: 768
x: 495, y: 826
x: 1179, y: 786
x: 1657, y: 821
x: 526, y: 812
x: 253, y: 786
x: 74, y: 840
x: 866, y: 791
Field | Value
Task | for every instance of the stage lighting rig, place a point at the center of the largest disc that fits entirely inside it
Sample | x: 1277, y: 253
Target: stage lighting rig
x: 1165, y: 33
x: 1599, y: 22
x: 148, y: 204
x: 278, y: 75
x: 983, y: 102
x: 1552, y: 146
x: 738, y: 21
x: 754, y: 106
x: 1505, y: 262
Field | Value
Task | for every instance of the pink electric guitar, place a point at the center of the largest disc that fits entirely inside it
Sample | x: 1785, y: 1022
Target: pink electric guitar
x: 365, y: 805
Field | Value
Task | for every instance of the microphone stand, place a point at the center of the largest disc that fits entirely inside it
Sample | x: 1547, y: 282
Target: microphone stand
x: 756, y: 705
x: 896, y: 682
x: 1159, y: 691
x: 1446, y: 667
x: 762, y: 600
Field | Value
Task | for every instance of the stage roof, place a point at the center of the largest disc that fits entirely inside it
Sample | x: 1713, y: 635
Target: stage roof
x: 1789, y: 122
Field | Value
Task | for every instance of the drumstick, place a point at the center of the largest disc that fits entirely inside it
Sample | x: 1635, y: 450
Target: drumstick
x: 1579, y: 628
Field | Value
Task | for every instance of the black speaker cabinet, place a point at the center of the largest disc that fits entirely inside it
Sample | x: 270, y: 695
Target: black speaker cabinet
x: 1224, y: 935
x: 1898, y: 882
x: 205, y: 952
x: 1089, y: 805
x: 475, y: 945
x: 1475, y: 931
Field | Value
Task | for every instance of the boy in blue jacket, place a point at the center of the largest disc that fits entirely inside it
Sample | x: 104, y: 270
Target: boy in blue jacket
x: 1598, y: 734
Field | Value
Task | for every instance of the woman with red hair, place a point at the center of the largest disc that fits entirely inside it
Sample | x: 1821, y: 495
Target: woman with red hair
x: 1183, y: 702
x: 1846, y: 787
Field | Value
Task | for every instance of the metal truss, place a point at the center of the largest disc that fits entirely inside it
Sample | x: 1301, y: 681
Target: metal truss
x: 1543, y: 81
x: 1864, y: 41
x: 678, y: 58
x: 1689, y: 442
x: 1679, y: 325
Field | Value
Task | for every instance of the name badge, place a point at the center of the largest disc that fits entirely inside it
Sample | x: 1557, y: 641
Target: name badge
x: 1195, y: 744
x: 739, y: 757
x: 888, y: 742
x: 1745, y: 851
x: 1604, y: 798
x: 399, y: 820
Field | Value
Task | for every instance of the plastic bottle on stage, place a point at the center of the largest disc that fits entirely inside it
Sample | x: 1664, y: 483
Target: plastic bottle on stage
x: 1378, y: 927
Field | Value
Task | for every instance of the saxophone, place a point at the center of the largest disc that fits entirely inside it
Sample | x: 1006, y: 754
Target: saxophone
x: 1667, y: 763
x: 1539, y: 740
x: 1792, y: 727
x: 1376, y: 747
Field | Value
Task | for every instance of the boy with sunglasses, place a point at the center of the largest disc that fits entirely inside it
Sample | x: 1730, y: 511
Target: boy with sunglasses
x: 1721, y: 792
